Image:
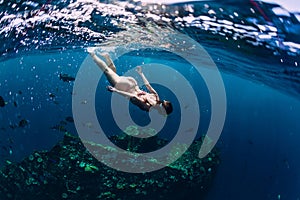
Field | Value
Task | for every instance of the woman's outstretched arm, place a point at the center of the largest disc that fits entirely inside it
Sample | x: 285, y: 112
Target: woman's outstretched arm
x: 123, y: 93
x: 146, y: 82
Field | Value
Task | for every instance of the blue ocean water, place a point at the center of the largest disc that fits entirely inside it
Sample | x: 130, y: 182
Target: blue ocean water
x: 259, y: 142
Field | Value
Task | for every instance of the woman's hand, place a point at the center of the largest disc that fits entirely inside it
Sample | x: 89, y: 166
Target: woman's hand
x: 139, y: 69
x: 111, y: 88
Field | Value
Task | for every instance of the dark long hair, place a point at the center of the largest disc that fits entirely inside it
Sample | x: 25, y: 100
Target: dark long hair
x: 167, y: 106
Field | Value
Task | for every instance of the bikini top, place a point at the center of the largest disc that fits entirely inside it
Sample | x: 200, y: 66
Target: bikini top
x: 143, y: 106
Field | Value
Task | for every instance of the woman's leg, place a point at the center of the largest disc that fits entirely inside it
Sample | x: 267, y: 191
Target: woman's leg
x: 111, y: 76
x: 109, y: 62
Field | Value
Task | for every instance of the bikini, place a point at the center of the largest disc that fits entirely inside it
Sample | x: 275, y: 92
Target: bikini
x: 144, y: 106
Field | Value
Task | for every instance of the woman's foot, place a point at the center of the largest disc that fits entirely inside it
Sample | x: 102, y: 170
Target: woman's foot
x: 91, y: 50
x: 105, y: 55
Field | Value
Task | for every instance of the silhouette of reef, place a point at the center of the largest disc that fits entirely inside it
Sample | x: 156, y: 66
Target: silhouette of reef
x: 69, y: 171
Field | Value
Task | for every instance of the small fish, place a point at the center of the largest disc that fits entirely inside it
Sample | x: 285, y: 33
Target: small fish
x: 51, y: 95
x: 23, y: 123
x: 12, y: 126
x: 10, y: 140
x: 69, y: 119
x: 7, y: 149
x: 56, y: 102
x: 59, y: 128
x: 84, y: 102
x: 15, y: 104
x: 286, y: 162
x: 66, y: 78
x: 88, y: 124
x: 189, y: 130
x: 2, y: 102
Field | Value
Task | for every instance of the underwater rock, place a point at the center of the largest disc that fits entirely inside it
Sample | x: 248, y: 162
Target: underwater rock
x: 68, y: 171
x: 143, y: 133
x: 131, y: 130
x: 139, y: 140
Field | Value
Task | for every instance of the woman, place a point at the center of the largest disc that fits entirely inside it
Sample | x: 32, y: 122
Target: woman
x: 128, y: 87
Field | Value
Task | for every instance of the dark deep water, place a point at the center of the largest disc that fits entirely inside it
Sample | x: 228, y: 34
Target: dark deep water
x: 259, y: 142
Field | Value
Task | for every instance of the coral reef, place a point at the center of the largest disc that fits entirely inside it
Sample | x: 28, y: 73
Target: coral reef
x: 68, y: 171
